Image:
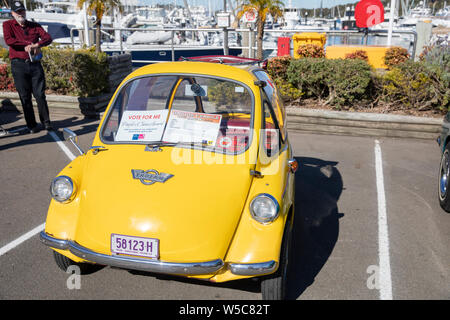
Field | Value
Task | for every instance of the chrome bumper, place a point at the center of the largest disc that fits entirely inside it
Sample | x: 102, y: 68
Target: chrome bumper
x: 157, y: 266
x: 252, y: 269
x: 194, y: 268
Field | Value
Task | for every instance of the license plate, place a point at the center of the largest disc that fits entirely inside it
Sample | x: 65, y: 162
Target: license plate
x: 134, y: 246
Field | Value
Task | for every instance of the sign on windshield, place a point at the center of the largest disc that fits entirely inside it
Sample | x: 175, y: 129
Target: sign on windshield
x: 212, y: 112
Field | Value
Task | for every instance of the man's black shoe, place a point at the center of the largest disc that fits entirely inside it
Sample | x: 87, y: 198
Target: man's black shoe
x: 34, y: 130
x: 48, y: 127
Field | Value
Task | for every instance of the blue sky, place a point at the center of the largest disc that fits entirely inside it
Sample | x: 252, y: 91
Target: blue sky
x: 217, y: 4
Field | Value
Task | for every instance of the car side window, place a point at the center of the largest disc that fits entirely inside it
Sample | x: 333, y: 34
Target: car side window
x: 271, y: 93
x: 183, y: 100
x: 270, y: 132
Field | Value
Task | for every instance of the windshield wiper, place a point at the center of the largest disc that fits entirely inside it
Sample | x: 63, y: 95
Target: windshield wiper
x: 161, y: 144
x: 156, y: 146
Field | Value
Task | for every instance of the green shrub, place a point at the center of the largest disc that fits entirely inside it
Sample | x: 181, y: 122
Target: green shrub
x: 348, y: 81
x: 338, y: 82
x: 437, y: 56
x: 417, y: 85
x: 4, y: 54
x: 288, y: 92
x: 277, y: 68
x: 82, y: 72
x: 309, y: 76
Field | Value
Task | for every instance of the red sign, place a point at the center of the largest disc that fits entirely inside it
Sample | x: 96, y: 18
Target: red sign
x: 369, y: 13
x: 250, y: 15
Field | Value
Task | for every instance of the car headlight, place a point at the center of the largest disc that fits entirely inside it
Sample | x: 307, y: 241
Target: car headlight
x: 264, y: 208
x: 62, y: 189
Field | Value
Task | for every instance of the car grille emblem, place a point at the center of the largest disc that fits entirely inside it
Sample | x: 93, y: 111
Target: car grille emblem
x: 149, y: 177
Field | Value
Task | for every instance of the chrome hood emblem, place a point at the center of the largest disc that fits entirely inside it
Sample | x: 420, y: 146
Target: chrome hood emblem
x: 149, y: 177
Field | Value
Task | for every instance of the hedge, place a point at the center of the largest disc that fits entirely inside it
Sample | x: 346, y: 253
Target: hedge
x: 346, y: 83
x: 81, y: 72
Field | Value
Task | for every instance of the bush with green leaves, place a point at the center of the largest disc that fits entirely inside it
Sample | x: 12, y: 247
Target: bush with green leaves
x: 417, y: 85
x: 348, y: 81
x: 277, y: 67
x: 309, y: 76
x: 81, y: 72
x: 337, y: 82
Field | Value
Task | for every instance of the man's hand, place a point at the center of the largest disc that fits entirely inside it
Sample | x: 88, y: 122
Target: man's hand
x: 31, y: 47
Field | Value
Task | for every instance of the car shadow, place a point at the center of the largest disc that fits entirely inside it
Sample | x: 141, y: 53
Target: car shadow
x: 318, y: 186
x: 252, y: 285
x: 86, y: 125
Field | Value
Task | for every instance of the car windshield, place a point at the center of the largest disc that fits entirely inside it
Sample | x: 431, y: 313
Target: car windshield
x: 181, y: 109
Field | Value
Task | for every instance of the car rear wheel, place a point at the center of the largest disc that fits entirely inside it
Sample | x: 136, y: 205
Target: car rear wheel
x: 444, y: 177
x: 273, y: 287
x: 64, y: 263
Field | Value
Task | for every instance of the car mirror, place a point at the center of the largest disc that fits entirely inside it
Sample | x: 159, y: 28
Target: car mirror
x: 72, y: 137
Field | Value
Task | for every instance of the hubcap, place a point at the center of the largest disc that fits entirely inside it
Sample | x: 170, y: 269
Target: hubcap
x: 444, y: 175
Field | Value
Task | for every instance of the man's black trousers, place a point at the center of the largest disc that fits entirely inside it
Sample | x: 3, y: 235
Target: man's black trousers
x: 29, y: 78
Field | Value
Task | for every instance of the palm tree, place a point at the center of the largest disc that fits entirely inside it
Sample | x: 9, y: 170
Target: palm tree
x: 100, y: 7
x: 262, y: 8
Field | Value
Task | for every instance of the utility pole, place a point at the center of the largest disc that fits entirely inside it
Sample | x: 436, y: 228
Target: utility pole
x: 225, y: 32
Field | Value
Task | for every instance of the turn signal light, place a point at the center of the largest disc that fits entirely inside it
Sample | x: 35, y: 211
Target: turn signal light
x: 293, y: 165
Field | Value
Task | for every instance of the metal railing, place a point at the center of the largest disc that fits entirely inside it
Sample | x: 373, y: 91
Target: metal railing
x: 251, y: 36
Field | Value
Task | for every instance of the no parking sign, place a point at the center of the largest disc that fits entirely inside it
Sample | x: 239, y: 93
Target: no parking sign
x: 250, y: 16
x: 369, y: 13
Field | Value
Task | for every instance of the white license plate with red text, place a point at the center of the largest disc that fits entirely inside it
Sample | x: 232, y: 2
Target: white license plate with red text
x: 135, y: 246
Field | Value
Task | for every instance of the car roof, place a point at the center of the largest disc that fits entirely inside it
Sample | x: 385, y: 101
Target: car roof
x: 243, y: 74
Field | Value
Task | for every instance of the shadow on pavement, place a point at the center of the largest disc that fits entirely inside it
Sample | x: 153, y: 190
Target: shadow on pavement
x: 86, y: 125
x: 318, y: 186
x: 250, y: 285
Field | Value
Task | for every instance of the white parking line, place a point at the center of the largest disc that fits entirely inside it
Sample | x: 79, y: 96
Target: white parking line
x: 63, y: 147
x: 385, y: 280
x: 21, y: 239
x: 40, y: 228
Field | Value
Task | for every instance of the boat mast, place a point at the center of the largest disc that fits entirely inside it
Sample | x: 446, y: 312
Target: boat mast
x: 188, y: 12
x: 391, y: 22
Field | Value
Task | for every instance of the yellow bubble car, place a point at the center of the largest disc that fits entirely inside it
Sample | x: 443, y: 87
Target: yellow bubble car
x: 190, y: 173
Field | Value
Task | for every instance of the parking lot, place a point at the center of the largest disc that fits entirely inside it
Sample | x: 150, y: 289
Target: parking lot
x: 368, y: 224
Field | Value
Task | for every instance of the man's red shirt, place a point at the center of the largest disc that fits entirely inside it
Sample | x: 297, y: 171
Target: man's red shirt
x: 18, y: 37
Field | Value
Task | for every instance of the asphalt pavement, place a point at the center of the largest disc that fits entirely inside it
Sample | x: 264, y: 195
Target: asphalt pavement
x: 347, y: 243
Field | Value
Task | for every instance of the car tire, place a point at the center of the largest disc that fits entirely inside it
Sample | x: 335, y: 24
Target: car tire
x: 64, y: 263
x: 444, y: 177
x: 274, y: 286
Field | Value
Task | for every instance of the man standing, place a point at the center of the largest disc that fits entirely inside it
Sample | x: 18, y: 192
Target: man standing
x: 25, y: 38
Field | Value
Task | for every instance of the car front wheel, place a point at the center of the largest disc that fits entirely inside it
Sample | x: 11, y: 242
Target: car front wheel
x: 273, y: 287
x: 64, y: 263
